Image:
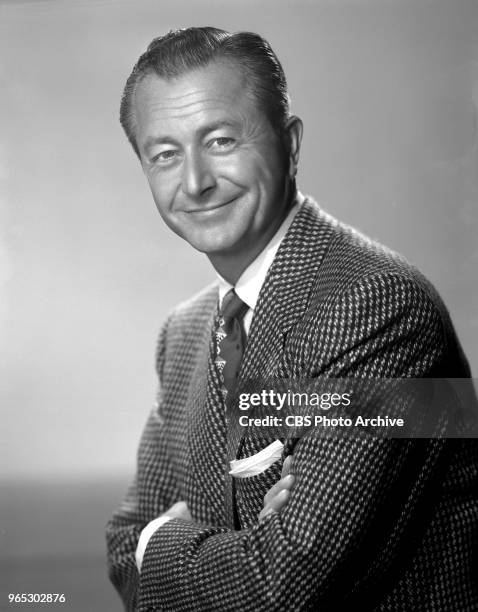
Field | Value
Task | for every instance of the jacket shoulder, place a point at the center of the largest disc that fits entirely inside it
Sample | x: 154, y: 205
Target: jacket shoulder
x: 352, y: 258
x: 374, y: 287
x: 186, y: 324
x: 198, y: 306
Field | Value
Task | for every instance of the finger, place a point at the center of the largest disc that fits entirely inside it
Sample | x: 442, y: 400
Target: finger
x: 280, y: 500
x: 283, y: 483
x: 287, y: 466
x: 264, y: 512
x: 276, y: 504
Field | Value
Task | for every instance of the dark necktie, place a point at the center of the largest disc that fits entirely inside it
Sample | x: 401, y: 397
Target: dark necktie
x: 230, y: 340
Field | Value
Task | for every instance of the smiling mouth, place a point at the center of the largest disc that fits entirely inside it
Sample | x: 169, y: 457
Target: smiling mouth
x: 210, y: 208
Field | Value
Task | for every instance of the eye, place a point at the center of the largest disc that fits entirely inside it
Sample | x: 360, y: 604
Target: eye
x: 222, y: 143
x: 164, y: 156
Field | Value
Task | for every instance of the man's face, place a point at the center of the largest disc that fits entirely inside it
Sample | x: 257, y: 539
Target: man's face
x: 214, y: 164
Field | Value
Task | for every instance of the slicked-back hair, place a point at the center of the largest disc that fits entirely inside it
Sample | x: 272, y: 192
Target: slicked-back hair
x: 180, y: 51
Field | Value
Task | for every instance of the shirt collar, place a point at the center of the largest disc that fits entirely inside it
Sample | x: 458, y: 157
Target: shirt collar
x: 249, y: 284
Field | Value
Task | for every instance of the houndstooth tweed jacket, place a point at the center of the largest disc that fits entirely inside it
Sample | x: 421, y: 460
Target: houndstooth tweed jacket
x: 371, y: 523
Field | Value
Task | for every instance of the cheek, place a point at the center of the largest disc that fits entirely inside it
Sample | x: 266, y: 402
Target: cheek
x: 163, y: 192
x: 250, y: 169
x: 234, y: 168
x: 266, y: 164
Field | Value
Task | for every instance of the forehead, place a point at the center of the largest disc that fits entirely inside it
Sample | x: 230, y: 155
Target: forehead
x: 218, y: 88
x: 224, y: 79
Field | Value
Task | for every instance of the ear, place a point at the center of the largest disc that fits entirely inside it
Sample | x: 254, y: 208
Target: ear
x: 293, y: 129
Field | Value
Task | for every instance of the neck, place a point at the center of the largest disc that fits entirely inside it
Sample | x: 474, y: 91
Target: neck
x: 231, y: 265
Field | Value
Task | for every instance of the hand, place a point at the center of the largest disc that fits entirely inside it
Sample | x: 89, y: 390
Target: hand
x: 278, y: 495
x: 179, y: 510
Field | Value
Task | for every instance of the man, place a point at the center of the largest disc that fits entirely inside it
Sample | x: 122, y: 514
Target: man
x: 362, y: 520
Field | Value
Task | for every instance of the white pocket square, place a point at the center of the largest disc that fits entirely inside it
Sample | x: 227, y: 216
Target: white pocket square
x: 258, y: 463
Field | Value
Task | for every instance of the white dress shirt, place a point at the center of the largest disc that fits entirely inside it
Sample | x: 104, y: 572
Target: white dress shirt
x: 248, y: 287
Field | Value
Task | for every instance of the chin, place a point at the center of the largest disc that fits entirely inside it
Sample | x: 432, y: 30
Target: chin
x: 213, y: 245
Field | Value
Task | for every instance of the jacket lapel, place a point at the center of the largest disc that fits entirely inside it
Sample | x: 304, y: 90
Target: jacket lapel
x: 206, y: 434
x: 284, y: 297
x: 283, y: 300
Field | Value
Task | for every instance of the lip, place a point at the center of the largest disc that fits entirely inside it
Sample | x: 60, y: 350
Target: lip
x: 210, y: 208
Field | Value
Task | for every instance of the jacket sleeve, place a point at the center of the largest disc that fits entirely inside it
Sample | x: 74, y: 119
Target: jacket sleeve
x: 353, y: 508
x: 152, y: 492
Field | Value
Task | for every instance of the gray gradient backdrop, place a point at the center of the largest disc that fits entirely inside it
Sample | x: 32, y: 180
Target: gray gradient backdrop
x: 388, y: 94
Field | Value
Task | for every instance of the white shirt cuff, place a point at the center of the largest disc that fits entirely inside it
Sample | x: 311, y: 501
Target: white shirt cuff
x: 146, y: 535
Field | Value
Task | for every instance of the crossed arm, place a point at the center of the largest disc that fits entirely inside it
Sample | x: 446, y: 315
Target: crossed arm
x: 274, y: 501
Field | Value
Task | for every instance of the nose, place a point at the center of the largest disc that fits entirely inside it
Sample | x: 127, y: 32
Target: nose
x: 198, y: 177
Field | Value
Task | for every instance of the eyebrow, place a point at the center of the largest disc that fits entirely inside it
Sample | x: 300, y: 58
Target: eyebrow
x: 210, y: 127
